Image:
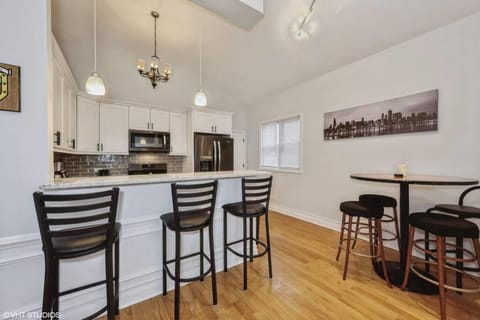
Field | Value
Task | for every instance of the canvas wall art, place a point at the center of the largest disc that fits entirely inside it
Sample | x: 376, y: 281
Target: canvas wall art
x: 413, y: 113
x: 9, y: 87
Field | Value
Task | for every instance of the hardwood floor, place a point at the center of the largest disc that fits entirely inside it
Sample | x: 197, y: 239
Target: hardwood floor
x: 307, y: 284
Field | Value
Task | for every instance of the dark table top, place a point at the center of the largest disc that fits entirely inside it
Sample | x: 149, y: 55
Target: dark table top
x: 415, y: 179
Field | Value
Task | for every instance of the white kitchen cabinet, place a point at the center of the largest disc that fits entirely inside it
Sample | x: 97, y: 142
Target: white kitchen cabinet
x: 113, y: 128
x: 88, y: 125
x: 102, y: 128
x: 141, y: 118
x: 178, y: 134
x: 64, y: 111
x: 210, y: 122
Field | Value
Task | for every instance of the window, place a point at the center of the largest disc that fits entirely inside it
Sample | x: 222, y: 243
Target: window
x: 280, y: 144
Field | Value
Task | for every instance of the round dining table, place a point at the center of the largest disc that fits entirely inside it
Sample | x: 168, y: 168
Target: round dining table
x: 396, y: 269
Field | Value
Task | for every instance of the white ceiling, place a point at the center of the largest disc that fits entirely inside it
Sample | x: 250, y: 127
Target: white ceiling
x: 240, y: 66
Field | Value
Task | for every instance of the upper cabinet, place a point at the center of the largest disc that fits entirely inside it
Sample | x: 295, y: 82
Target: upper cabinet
x: 141, y: 118
x: 64, y: 111
x: 211, y: 122
x: 102, y: 128
x: 178, y: 134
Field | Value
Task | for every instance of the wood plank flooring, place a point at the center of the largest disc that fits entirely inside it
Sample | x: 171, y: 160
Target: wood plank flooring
x: 307, y: 284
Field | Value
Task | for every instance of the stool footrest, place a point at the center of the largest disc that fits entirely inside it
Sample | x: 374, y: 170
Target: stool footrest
x: 201, y: 276
x: 96, y: 314
x: 241, y: 255
x: 90, y: 285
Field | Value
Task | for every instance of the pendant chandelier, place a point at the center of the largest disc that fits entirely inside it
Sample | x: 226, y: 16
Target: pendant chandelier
x: 94, y: 84
x: 154, y: 74
x: 200, y: 99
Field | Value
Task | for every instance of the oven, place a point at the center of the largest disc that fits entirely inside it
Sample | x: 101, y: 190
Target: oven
x: 147, y: 141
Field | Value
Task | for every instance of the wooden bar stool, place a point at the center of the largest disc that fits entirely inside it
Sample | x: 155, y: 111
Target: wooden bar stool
x: 385, y: 202
x: 441, y: 226
x: 76, y: 225
x: 374, y: 215
x: 255, y: 202
x: 193, y: 210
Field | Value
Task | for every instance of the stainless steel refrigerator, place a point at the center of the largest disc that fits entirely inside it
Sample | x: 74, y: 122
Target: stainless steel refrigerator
x: 213, y: 152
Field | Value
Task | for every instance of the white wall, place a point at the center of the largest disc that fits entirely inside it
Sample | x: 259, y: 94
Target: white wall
x: 447, y: 59
x: 24, y: 159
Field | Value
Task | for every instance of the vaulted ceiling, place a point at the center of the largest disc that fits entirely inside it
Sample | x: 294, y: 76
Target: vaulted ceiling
x: 240, y: 66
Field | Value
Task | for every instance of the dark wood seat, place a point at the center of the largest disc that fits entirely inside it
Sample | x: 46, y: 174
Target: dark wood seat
x: 441, y: 226
x: 193, y: 210
x: 255, y: 202
x: 373, y: 212
x: 76, y: 225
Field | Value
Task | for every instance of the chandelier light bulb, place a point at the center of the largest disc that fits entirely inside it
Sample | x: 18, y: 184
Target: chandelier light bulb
x: 154, y: 62
x: 167, y: 69
x: 200, y: 99
x: 141, y: 64
x: 95, y: 85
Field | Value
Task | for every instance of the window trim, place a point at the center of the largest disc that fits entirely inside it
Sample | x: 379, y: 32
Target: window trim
x: 279, y: 169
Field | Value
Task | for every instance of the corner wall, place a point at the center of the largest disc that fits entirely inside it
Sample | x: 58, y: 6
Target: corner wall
x: 447, y: 59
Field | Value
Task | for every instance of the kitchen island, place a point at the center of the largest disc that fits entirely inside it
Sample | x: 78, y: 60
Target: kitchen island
x: 143, y: 198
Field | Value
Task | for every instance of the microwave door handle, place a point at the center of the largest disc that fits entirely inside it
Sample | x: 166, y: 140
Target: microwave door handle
x: 219, y: 156
x: 214, y: 155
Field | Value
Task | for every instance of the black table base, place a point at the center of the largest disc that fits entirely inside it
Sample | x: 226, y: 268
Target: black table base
x: 415, y: 283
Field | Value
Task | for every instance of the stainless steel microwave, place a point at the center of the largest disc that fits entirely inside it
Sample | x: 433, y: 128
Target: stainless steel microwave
x: 147, y: 141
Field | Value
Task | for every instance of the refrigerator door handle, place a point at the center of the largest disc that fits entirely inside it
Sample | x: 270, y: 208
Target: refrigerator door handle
x: 214, y: 155
x: 219, y: 156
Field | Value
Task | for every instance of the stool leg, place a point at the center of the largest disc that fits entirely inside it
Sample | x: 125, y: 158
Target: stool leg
x: 117, y: 277
x: 48, y: 283
x: 441, y: 275
x: 371, y: 242
x: 342, y: 232
x: 257, y: 225
x: 213, y: 267
x: 382, y: 251
x: 225, y: 262
x: 459, y: 254
x: 409, y: 258
x: 109, y: 278
x: 427, y: 248
x: 397, y: 228
x: 244, y: 253
x: 347, y: 249
x: 164, y: 258
x: 476, y: 246
x: 177, y: 275
x: 251, y: 239
x: 56, y: 279
x: 201, y: 253
x: 269, y: 252
x: 356, y: 233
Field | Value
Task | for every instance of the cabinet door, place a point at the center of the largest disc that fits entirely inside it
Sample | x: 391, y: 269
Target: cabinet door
x: 139, y: 118
x: 57, y: 103
x: 113, y: 128
x: 87, y: 125
x: 66, y: 110
x: 202, y: 121
x: 223, y: 124
x: 178, y: 134
x: 73, y: 120
x: 160, y: 120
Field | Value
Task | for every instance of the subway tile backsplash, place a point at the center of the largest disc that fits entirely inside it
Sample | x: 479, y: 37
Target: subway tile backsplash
x: 82, y: 165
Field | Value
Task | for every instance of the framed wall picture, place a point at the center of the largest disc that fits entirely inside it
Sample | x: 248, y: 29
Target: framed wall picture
x: 9, y: 87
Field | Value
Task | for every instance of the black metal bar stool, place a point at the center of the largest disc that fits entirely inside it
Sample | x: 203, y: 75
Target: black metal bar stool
x: 76, y: 225
x: 374, y: 215
x: 460, y: 211
x: 193, y: 210
x: 385, y: 202
x: 255, y: 202
x: 441, y: 226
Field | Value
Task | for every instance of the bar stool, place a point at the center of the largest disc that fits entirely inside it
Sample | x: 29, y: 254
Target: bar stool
x: 193, y: 210
x: 255, y: 202
x: 76, y: 225
x: 373, y: 214
x: 441, y: 226
x: 385, y: 202
x: 460, y: 211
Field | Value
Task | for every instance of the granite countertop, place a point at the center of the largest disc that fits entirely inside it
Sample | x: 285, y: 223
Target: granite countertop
x: 109, y: 181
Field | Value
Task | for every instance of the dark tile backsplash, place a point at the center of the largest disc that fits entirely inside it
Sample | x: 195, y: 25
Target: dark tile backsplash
x: 81, y: 165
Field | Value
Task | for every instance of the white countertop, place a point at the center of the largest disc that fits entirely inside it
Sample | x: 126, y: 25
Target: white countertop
x: 109, y: 181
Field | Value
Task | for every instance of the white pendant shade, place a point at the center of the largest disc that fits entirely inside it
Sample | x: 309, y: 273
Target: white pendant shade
x: 95, y: 85
x: 200, y: 99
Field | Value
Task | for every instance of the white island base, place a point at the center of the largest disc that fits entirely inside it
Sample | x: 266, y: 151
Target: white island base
x: 142, y: 200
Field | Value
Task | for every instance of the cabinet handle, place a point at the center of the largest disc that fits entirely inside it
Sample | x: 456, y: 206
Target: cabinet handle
x: 57, y: 136
x: 212, y: 129
x: 98, y: 146
x: 73, y: 144
x: 102, y: 146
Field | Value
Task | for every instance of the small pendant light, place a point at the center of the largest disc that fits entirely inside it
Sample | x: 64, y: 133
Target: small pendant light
x: 200, y: 97
x: 95, y: 85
